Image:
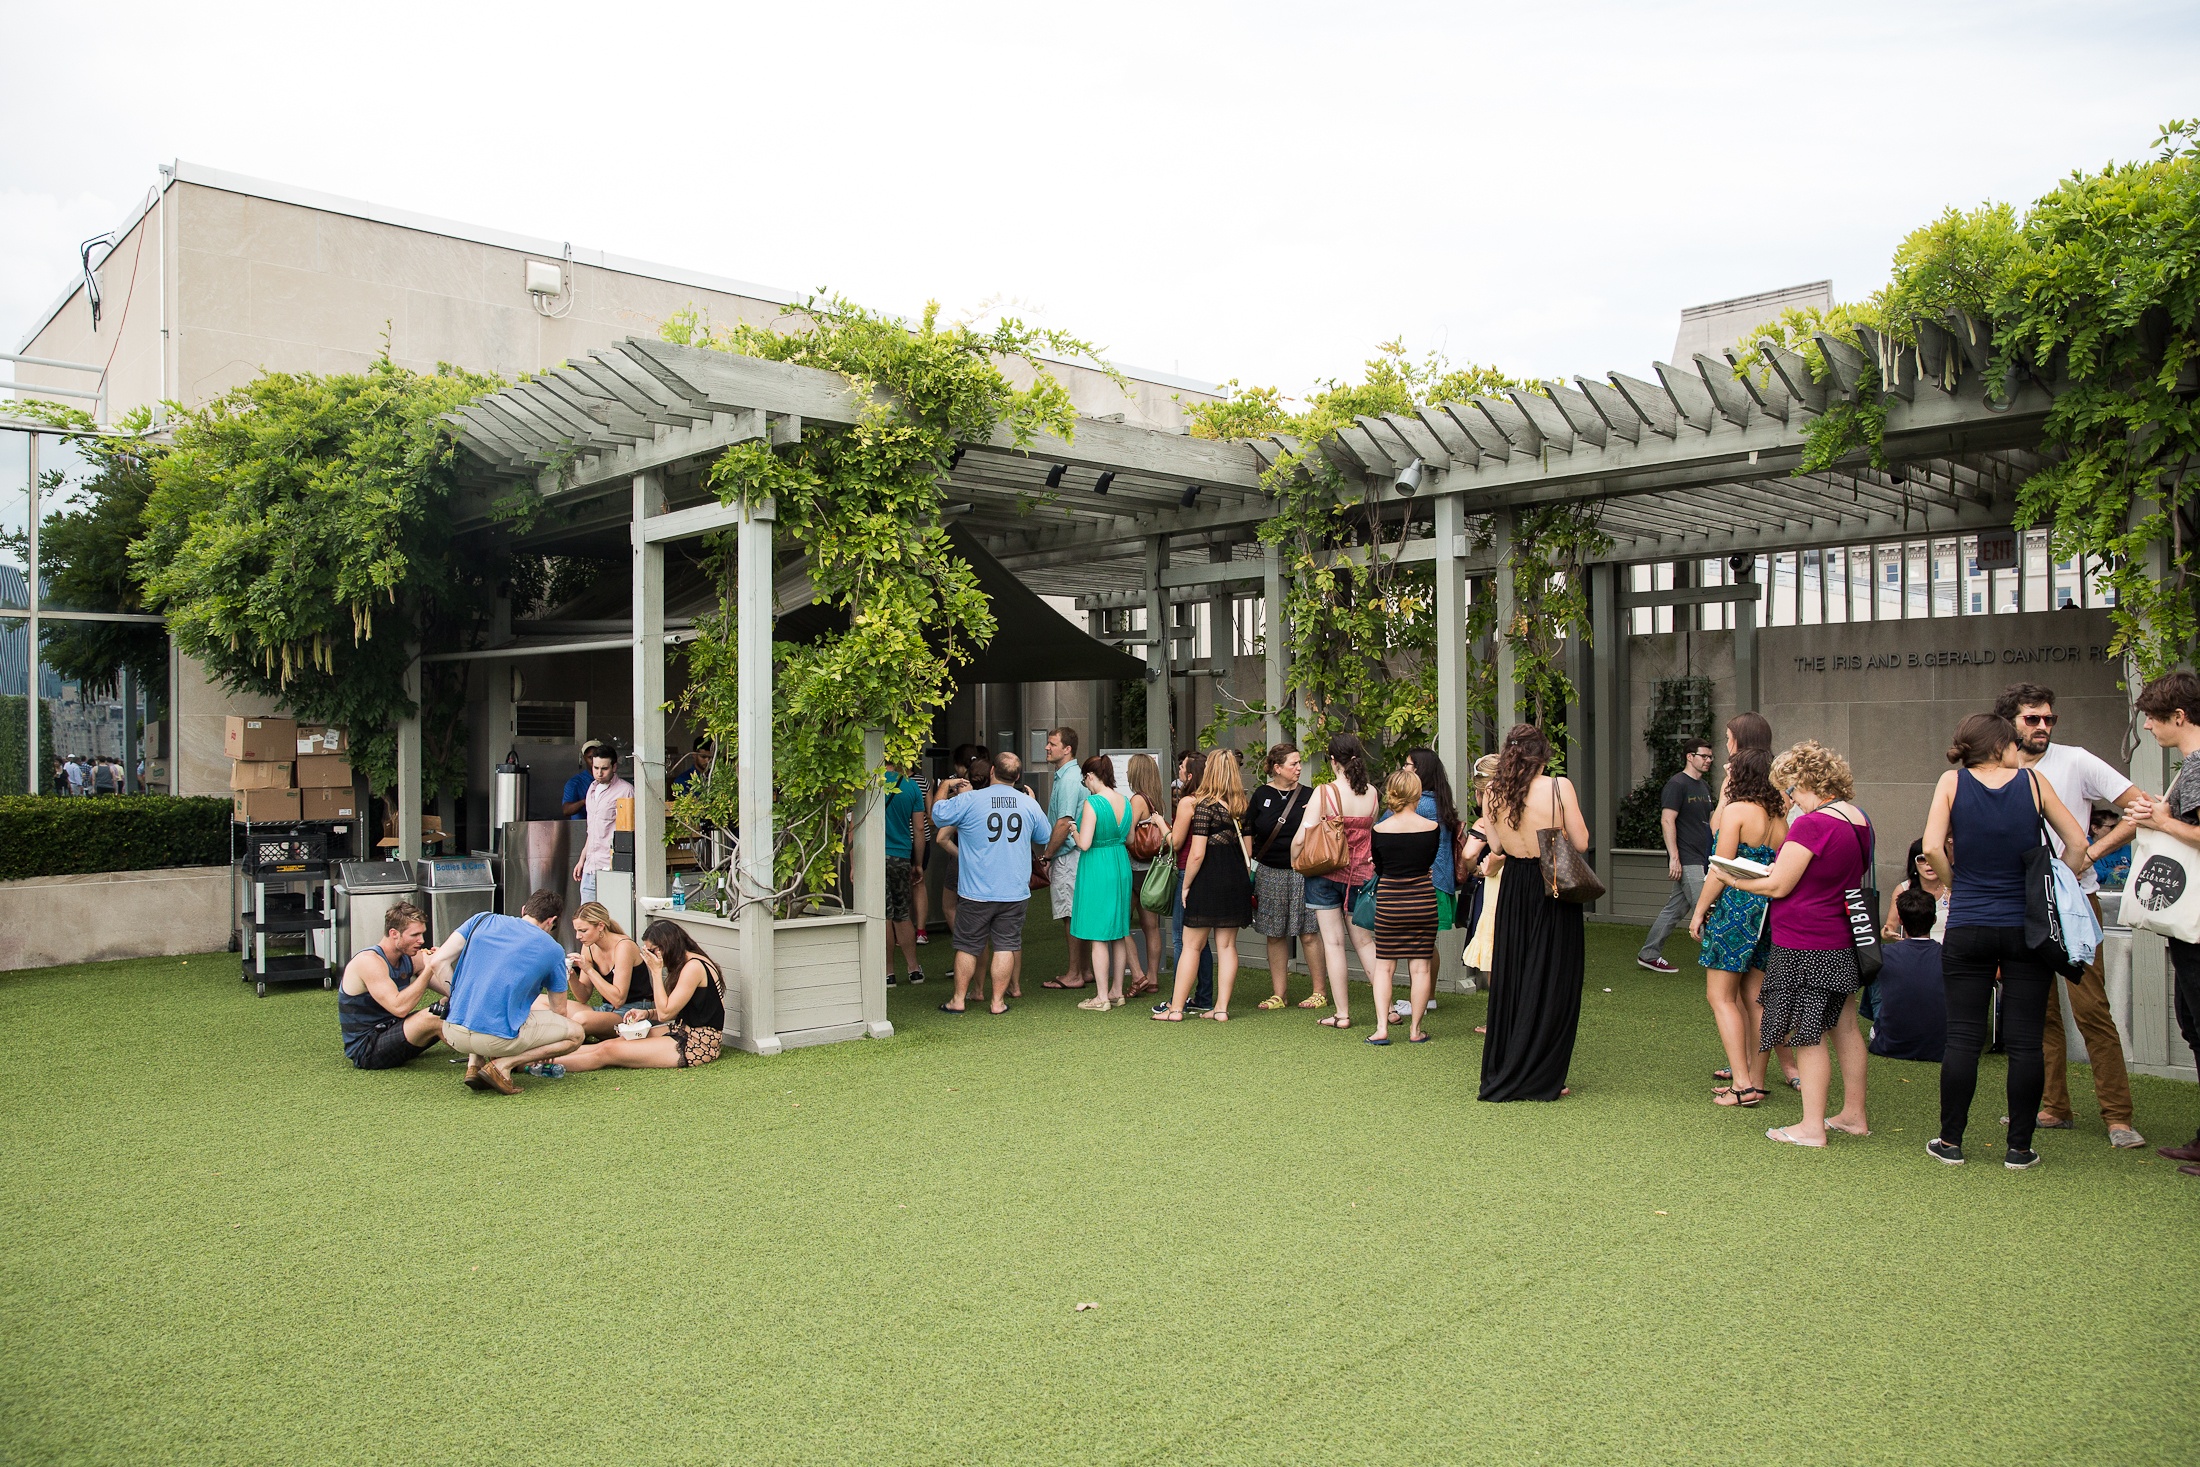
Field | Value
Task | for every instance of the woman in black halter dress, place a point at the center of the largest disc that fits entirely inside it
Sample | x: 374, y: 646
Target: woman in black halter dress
x: 1536, y: 965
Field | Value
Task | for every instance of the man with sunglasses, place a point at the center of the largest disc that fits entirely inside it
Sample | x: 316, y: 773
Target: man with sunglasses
x: 2079, y: 778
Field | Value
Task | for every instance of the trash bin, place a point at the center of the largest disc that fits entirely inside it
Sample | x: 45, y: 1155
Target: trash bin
x: 457, y: 887
x: 365, y: 891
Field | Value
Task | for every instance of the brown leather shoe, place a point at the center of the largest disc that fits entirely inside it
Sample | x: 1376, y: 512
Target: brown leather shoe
x: 499, y: 1079
x: 2190, y: 1171
x: 472, y: 1077
x: 2190, y: 1151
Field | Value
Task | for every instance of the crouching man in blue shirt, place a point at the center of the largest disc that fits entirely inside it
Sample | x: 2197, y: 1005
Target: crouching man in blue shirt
x: 996, y: 828
x: 506, y: 977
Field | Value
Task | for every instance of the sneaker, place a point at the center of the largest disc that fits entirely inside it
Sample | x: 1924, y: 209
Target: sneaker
x: 916, y: 975
x: 891, y: 980
x: 1196, y: 1010
x: 2018, y: 1161
x: 922, y: 939
x: 2123, y: 1138
x: 441, y: 1008
x: 1940, y: 1150
x: 1163, y: 1007
x: 1656, y: 965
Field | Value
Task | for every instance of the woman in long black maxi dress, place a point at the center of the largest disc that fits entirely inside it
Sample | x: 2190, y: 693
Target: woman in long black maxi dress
x: 1536, y: 965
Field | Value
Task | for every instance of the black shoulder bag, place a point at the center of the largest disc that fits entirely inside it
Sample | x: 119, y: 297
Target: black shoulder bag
x: 1860, y: 905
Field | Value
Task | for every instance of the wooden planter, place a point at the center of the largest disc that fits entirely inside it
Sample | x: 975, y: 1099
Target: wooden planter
x: 817, y: 992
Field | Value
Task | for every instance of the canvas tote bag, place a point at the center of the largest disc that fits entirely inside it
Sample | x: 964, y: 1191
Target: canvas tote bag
x: 2163, y: 892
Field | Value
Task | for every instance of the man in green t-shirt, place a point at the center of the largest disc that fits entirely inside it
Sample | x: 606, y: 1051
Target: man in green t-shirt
x: 904, y: 802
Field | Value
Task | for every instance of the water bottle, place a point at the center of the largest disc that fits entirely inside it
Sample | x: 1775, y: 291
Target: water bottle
x: 679, y: 894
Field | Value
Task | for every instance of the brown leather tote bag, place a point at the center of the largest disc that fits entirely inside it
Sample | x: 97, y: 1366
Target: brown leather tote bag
x: 1567, y: 874
x: 1324, y: 848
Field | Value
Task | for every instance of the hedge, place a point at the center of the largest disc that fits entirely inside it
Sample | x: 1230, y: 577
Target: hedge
x: 55, y: 836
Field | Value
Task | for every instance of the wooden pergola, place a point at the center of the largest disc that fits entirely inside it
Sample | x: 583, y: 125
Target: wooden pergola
x: 1693, y: 461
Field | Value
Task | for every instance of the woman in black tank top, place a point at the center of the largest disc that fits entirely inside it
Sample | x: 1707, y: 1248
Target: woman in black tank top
x: 689, y: 1010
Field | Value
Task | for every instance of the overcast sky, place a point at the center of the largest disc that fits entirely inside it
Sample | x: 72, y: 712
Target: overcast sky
x: 1252, y: 191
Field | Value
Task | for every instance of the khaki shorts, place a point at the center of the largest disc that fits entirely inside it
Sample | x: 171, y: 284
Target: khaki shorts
x: 542, y: 1027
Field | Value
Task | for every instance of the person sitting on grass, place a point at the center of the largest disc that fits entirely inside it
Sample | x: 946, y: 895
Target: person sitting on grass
x: 688, y: 1017
x: 376, y: 998
x: 506, y: 978
x: 1911, y: 1022
x: 602, y: 971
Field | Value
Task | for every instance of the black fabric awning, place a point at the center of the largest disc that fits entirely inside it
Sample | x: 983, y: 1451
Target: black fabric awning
x: 1035, y: 643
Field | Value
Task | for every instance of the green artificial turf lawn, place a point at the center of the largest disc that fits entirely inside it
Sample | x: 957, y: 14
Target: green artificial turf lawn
x: 223, y: 1244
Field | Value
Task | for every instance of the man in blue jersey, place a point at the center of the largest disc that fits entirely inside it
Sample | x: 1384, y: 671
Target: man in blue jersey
x: 506, y: 978
x: 996, y: 827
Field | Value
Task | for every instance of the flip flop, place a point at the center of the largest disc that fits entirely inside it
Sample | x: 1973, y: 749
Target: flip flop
x: 1376, y: 1039
x: 951, y: 1009
x: 1785, y: 1138
x: 996, y: 1013
x: 1419, y: 1038
x: 1058, y: 984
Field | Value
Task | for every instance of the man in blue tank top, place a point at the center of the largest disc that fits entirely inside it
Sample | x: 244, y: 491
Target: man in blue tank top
x: 507, y: 978
x: 375, y: 999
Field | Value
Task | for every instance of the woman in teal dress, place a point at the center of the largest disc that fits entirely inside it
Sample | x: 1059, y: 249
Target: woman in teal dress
x: 1731, y: 924
x: 1101, y: 911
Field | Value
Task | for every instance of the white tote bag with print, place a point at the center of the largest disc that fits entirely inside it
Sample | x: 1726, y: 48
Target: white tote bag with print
x: 2163, y: 892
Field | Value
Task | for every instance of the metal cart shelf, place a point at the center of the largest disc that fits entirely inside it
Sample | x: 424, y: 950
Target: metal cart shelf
x: 282, y: 890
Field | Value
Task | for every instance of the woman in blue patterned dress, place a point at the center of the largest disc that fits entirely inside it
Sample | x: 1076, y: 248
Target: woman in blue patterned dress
x: 1731, y: 924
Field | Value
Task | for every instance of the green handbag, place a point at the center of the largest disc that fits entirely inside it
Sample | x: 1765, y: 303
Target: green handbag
x: 1159, y: 892
x: 1363, y: 910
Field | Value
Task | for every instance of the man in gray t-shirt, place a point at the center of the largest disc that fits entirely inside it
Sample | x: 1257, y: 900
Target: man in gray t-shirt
x: 1686, y: 818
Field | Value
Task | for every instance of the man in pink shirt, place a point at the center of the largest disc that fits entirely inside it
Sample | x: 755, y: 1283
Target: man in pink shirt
x: 603, y: 813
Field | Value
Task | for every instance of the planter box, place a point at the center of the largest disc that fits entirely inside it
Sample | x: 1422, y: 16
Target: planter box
x: 817, y: 983
x: 171, y: 911
x: 1638, y: 887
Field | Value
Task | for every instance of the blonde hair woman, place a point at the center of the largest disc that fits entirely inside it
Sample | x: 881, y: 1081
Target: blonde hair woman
x: 1217, y: 894
x: 1487, y: 864
x: 600, y: 971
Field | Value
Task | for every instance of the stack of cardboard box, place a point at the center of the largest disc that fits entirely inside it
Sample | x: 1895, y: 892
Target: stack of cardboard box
x: 283, y: 770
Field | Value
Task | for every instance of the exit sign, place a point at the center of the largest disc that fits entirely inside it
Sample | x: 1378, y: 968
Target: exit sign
x: 1997, y: 550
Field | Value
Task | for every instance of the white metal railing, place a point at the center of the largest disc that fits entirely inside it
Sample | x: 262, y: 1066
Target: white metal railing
x: 98, y: 395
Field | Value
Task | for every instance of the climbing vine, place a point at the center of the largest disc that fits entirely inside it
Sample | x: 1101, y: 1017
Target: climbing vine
x: 863, y: 503
x: 1362, y: 623
x: 298, y: 536
x: 2094, y: 292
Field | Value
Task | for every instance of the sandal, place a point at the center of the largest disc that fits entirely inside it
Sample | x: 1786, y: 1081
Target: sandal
x: 1748, y: 1097
x: 1786, y: 1137
x: 1376, y: 1039
x: 1844, y: 1130
x: 1168, y: 1016
x: 1318, y: 1001
x: 1419, y: 1038
x: 1334, y: 1021
x: 1220, y: 1016
x: 1273, y: 1001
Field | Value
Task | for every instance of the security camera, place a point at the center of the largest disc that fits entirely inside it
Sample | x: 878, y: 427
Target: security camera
x: 1410, y: 479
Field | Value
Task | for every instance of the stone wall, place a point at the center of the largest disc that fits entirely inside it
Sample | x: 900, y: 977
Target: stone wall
x: 119, y: 914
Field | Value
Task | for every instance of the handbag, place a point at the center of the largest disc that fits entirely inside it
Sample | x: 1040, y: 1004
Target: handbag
x: 2163, y: 892
x: 1462, y: 868
x: 1324, y: 848
x: 2056, y: 913
x: 1860, y: 906
x: 1567, y: 874
x: 1147, y: 838
x: 1158, y: 893
x: 1363, y: 910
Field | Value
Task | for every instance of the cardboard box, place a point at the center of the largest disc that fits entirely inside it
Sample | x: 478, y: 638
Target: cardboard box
x: 328, y: 804
x: 260, y: 740
x: 431, y: 829
x: 271, y: 775
x: 622, y: 814
x: 324, y: 772
x: 266, y: 807
x: 319, y: 738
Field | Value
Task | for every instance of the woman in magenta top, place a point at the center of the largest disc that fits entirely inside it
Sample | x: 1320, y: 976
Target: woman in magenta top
x: 1810, y: 975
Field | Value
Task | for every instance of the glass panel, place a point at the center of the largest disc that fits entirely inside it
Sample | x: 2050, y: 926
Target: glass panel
x: 1944, y: 577
x: 1833, y: 565
x: 1711, y: 616
x: 1917, y: 579
x: 15, y: 522
x: 1861, y: 566
x: 1661, y: 578
x: 1810, y: 589
x: 1783, y: 589
x: 90, y: 670
x: 1888, y: 586
x: 77, y: 567
x: 15, y: 648
x: 2035, y: 595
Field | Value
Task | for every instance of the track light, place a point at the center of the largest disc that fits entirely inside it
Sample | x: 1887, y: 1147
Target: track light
x: 1054, y: 475
x: 1190, y: 496
x: 1410, y: 479
x: 1100, y: 485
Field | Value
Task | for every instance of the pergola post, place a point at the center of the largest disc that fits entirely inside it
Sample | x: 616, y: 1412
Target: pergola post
x: 1157, y: 652
x: 1748, y: 689
x: 753, y: 706
x: 1452, y: 741
x: 1221, y: 631
x: 869, y: 862
x: 649, y: 695
x: 1608, y: 677
x: 1581, y: 756
x: 408, y: 765
x: 1275, y: 642
x: 1508, y: 669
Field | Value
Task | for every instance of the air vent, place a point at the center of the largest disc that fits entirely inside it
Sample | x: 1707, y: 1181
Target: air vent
x: 547, y: 723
